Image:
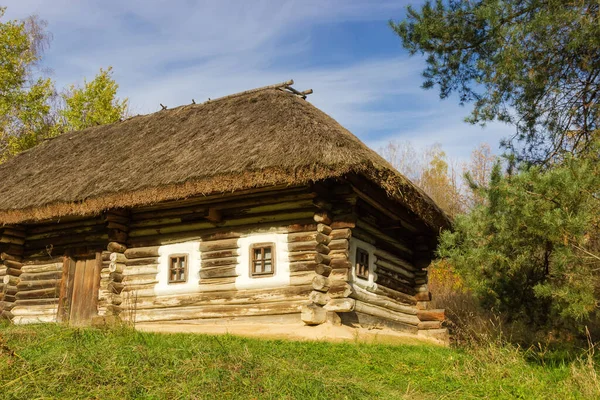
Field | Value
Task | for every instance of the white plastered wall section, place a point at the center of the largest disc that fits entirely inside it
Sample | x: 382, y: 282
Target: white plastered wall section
x: 192, y: 249
x: 281, y: 277
x: 354, y: 244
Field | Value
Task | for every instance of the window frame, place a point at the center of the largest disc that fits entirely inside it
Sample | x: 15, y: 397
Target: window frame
x: 263, y: 245
x: 366, y: 267
x: 186, y: 268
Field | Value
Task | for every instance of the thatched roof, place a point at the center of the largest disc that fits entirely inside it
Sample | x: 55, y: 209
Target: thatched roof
x: 262, y: 138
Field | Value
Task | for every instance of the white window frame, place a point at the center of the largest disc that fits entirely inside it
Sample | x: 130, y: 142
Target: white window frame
x: 370, y: 249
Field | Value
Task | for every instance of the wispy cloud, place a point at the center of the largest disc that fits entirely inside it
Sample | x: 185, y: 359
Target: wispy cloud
x: 170, y: 52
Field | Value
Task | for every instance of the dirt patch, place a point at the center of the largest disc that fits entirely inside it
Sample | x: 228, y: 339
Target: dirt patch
x: 324, y: 332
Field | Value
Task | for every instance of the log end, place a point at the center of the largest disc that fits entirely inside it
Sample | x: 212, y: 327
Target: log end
x: 312, y: 314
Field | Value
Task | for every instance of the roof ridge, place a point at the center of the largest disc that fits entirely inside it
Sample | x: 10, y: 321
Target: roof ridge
x: 287, y: 86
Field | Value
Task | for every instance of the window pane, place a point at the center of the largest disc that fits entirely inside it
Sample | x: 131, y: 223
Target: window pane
x: 256, y: 267
x: 267, y: 253
x: 258, y: 254
x: 268, y: 266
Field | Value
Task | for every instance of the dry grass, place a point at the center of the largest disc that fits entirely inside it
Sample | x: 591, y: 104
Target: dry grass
x: 259, y: 139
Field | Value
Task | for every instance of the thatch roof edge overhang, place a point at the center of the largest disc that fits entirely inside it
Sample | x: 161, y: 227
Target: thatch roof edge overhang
x: 396, y: 187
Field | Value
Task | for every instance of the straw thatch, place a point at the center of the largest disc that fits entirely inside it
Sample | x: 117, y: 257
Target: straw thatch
x: 262, y: 138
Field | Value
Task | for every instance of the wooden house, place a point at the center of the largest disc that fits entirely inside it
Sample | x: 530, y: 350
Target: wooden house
x: 253, y: 207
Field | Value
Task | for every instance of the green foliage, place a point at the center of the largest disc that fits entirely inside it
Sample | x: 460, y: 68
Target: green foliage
x: 534, y: 64
x: 28, y: 110
x: 53, y: 361
x: 531, y: 250
x: 96, y: 103
x: 25, y: 110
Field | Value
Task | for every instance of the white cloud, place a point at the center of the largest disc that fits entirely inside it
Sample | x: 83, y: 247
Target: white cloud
x: 170, y: 52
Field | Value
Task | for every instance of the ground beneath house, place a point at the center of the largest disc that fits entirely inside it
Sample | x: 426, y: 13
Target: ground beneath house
x: 296, y: 331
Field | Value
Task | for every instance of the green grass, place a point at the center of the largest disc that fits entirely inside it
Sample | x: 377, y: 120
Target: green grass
x: 52, y: 361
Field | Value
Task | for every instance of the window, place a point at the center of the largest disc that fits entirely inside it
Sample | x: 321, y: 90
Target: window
x: 178, y: 268
x: 262, y: 259
x: 362, y: 263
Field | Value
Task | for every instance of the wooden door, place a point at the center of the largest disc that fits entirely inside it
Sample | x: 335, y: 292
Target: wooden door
x: 79, y: 298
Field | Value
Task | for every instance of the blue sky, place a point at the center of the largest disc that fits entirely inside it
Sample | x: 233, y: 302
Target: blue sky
x: 172, y: 51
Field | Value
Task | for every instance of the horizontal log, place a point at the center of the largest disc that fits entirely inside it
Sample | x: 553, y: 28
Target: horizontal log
x: 38, y: 294
x: 12, y: 240
x: 431, y: 315
x: 14, y: 250
x: 393, y: 294
x: 391, y: 258
x: 14, y: 232
x: 41, y: 276
x: 13, y: 264
x: 140, y: 270
x: 377, y: 311
x: 218, y: 262
x: 210, y: 255
x: 340, y: 305
x: 340, y: 263
x: 10, y: 290
x: 302, y: 266
x: 13, y: 272
x: 379, y: 235
x: 426, y: 325
x: 229, y: 297
x: 223, y: 311
x: 302, y: 246
x: 216, y: 245
x: 63, y: 226
x: 219, y: 272
x: 382, y: 271
x: 384, y: 281
x: 139, y: 280
x: 38, y: 284
x: 5, y: 256
x: 37, y: 302
x: 142, y: 252
x: 381, y: 300
x: 339, y: 244
x: 142, y: 261
x: 43, y: 309
x: 369, y: 321
x: 38, y: 268
x: 302, y: 256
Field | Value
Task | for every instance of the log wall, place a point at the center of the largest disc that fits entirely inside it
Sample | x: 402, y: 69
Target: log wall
x: 38, y: 288
x: 318, y: 223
